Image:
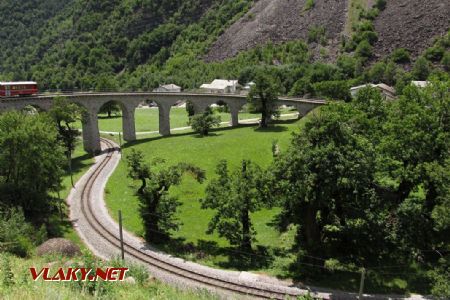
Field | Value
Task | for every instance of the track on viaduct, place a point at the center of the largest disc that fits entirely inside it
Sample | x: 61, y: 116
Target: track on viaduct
x: 129, y: 101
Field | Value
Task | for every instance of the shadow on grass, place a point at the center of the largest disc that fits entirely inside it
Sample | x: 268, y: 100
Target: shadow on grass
x: 100, y: 117
x: 78, y: 163
x: 273, y: 127
x: 209, y: 250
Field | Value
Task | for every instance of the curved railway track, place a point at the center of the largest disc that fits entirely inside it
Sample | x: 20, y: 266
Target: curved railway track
x: 157, y: 262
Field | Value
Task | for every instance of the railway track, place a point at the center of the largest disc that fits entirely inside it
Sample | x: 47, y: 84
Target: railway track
x: 154, y: 261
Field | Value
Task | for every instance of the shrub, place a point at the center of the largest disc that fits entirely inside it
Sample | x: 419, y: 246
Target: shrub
x: 434, y: 53
x: 376, y: 73
x: 16, y: 235
x: 364, y: 49
x: 308, y: 5
x: 400, y: 55
x: 337, y: 90
x: 446, y: 61
x: 421, y: 69
x: 202, y: 123
x: 347, y: 65
x: 316, y: 33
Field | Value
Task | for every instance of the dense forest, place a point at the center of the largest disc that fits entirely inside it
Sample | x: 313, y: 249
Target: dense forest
x: 139, y: 45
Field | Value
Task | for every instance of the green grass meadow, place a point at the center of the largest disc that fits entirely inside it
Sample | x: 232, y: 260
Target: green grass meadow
x: 147, y: 119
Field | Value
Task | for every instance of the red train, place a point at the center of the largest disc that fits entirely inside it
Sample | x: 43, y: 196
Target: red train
x: 19, y: 88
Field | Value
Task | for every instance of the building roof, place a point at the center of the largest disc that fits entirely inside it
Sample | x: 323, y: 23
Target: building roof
x: 17, y: 82
x: 219, y: 84
x: 381, y: 86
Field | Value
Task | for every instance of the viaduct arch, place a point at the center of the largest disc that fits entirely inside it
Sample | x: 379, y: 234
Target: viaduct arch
x: 129, y: 101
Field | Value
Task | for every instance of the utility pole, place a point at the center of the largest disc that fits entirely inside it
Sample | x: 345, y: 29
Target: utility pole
x: 361, y: 284
x: 121, y: 236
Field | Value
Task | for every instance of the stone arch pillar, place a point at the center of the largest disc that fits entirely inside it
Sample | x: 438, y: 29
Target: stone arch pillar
x: 128, y: 122
x: 234, y: 110
x: 164, y: 118
x: 91, y: 134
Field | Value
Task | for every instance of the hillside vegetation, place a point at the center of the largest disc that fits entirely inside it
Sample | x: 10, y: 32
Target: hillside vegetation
x: 139, y: 44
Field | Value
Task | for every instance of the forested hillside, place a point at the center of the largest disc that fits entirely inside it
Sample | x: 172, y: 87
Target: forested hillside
x: 87, y: 43
x: 311, y: 47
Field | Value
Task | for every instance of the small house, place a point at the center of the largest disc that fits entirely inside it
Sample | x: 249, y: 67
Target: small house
x: 220, y: 86
x: 168, y: 88
x: 387, y: 91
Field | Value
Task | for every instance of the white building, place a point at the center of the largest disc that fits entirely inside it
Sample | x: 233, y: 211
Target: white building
x: 387, y: 91
x: 220, y: 86
x: 168, y: 88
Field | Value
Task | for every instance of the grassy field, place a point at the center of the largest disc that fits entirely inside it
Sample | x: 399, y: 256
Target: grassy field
x: 24, y: 288
x: 147, y: 119
x: 272, y: 250
x: 230, y: 144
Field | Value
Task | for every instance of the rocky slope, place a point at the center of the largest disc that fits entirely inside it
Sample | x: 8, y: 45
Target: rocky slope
x: 278, y: 21
x: 411, y: 24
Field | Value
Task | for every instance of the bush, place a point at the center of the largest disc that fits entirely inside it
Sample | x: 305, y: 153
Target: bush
x: 364, y: 49
x: 202, y: 123
x: 316, y: 33
x: 421, y: 69
x: 337, y: 90
x: 446, y: 61
x: 16, y: 235
x: 400, y: 55
x: 434, y: 53
x: 308, y: 5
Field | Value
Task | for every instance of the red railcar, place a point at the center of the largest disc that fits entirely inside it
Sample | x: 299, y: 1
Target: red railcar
x: 19, y: 88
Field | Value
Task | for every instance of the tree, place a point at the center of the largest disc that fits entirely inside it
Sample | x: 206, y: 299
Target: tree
x: 265, y: 94
x: 110, y: 108
x: 31, y: 163
x: 421, y: 68
x: 157, y: 207
x: 202, y: 123
x: 234, y: 196
x: 65, y: 113
x: 324, y: 183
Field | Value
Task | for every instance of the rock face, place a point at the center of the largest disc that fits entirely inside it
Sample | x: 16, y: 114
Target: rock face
x: 411, y: 24
x: 279, y: 21
x: 58, y: 246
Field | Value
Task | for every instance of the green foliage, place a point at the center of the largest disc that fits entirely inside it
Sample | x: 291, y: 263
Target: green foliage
x: 264, y: 94
x: 30, y: 163
x: 202, y: 123
x: 446, y: 60
x: 65, y: 114
x: 234, y: 196
x: 157, y: 207
x: 434, y: 53
x: 400, y: 55
x: 337, y: 90
x: 317, y: 34
x: 369, y: 179
x: 17, y: 236
x: 309, y: 4
x: 364, y: 49
x: 110, y: 108
x: 421, y: 69
x: 7, y: 276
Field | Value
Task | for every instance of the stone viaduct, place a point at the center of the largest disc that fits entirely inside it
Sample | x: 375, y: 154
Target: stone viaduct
x: 129, y: 101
